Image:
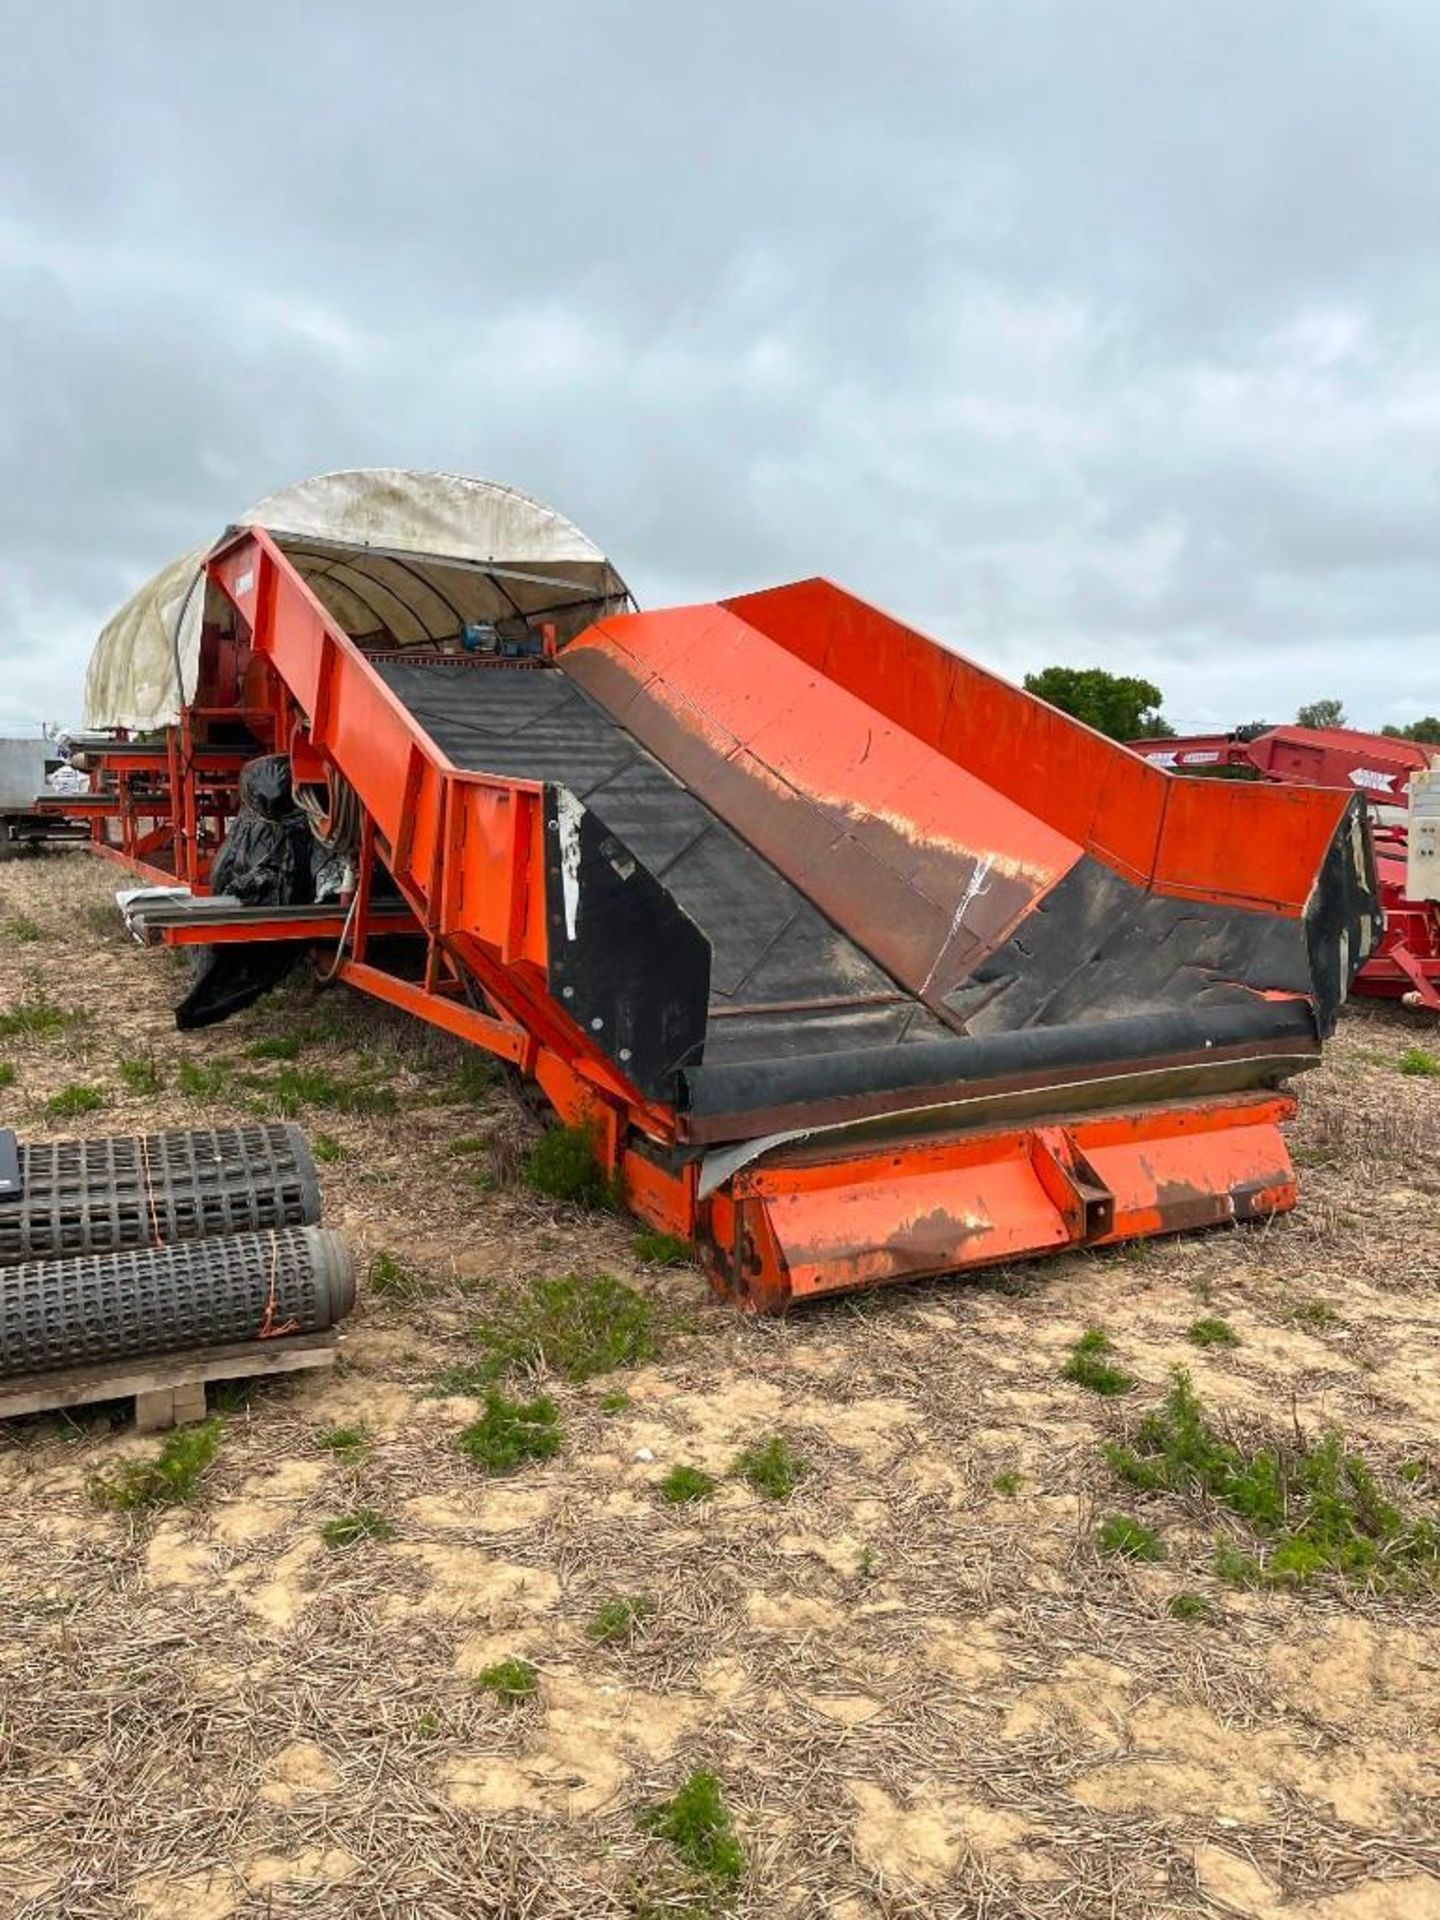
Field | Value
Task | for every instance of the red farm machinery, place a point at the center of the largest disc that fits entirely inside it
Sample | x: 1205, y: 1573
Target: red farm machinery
x: 1399, y: 780
x: 859, y: 963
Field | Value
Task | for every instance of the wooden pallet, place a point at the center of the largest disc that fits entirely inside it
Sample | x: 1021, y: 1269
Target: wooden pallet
x: 168, y: 1388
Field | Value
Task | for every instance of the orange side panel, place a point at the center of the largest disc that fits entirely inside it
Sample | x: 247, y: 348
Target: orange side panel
x: 870, y: 1231
x: 469, y: 847
x: 1087, y: 789
x: 665, y: 1200
x: 1173, y: 1183
x: 1232, y: 843
x: 1253, y: 844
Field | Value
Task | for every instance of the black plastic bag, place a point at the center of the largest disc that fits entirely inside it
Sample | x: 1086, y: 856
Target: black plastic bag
x: 265, y: 862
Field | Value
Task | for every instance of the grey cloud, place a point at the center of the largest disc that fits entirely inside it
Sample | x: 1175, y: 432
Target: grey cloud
x: 1095, y: 330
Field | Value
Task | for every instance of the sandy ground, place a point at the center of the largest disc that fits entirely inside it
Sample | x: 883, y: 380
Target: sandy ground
x: 924, y: 1698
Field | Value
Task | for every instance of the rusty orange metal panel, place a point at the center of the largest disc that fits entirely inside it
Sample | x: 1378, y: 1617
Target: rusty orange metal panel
x: 664, y: 1199
x: 924, y: 865
x: 1082, y: 785
x: 497, y: 864
x: 1246, y: 844
x: 1177, y: 1182
x: 790, y: 1230
x: 858, y: 1234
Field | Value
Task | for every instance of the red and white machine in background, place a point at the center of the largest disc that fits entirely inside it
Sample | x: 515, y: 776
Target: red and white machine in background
x: 1400, y: 780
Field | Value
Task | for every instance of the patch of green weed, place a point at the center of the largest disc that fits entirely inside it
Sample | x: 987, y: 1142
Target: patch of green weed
x: 615, y: 1623
x: 7, y: 1074
x: 366, y: 1523
x: 24, y: 931
x: 511, y: 1681
x: 236, y: 1396
x: 202, y: 1079
x: 577, y: 1327
x: 772, y: 1467
x: 1008, y: 1483
x: 1313, y: 1506
x: 35, y: 1018
x: 697, y: 1824
x: 326, y: 1148
x: 169, y: 1480
x: 143, y: 1074
x: 475, y: 1077
x: 465, y: 1377
x: 393, y: 1280
x: 70, y: 1102
x: 683, y: 1484
x: 469, y: 1143
x: 564, y: 1164
x: 347, y: 1443
x: 1129, y: 1539
x: 295, y: 1088
x: 1089, y: 1368
x: 510, y: 1432
x: 1212, y: 1332
x: 663, y: 1250
x: 1416, y: 1060
x: 1314, y: 1314
x: 277, y: 1046
x: 615, y: 1401
x: 1191, y: 1606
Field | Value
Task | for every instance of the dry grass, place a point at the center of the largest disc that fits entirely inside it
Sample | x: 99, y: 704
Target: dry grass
x: 926, y: 1693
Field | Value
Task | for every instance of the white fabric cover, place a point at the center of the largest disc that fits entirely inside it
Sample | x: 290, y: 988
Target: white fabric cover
x: 397, y: 556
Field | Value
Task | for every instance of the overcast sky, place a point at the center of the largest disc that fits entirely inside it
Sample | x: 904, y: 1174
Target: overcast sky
x: 1099, y: 331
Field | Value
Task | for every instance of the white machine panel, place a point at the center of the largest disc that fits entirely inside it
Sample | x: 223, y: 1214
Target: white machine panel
x: 22, y: 772
x: 1422, y: 876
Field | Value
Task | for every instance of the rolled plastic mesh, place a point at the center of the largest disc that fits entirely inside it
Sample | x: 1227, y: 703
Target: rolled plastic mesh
x: 116, y: 1306
x: 100, y: 1196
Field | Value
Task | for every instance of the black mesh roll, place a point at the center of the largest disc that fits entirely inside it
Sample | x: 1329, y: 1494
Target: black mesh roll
x: 116, y: 1306
x: 101, y: 1196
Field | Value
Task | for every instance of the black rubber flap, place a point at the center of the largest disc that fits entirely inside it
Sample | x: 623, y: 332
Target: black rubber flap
x: 625, y: 962
x: 1030, y: 1057
x: 1343, y: 919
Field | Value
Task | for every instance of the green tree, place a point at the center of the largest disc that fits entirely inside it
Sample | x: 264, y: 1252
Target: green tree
x: 1322, y: 713
x: 1426, y: 731
x: 1113, y: 703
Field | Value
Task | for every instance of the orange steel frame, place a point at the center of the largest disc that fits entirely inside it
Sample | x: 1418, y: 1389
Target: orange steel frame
x: 161, y: 809
x: 466, y: 851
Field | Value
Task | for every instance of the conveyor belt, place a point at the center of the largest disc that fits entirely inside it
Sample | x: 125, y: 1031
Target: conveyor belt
x: 785, y: 982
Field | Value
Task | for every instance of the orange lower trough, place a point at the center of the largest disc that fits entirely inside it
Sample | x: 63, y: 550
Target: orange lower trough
x: 795, y: 1230
x: 858, y: 963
